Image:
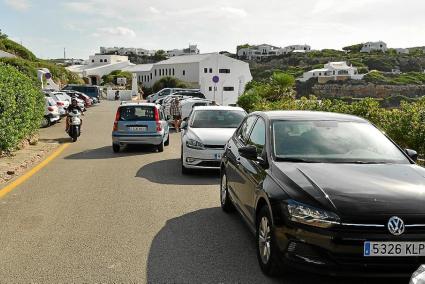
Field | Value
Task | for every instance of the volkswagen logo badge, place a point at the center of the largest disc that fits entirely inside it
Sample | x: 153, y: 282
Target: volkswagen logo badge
x: 396, y: 226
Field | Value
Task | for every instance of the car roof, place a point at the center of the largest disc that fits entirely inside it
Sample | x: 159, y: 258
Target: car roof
x: 127, y: 103
x: 218, y: 108
x: 309, y: 115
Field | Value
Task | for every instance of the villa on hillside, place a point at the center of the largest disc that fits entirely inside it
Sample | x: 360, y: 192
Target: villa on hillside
x: 192, y: 49
x: 99, y: 65
x: 332, y: 71
x: 256, y: 52
x: 374, y: 46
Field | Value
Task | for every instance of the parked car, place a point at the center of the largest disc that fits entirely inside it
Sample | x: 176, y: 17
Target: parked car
x: 140, y: 123
x: 166, y: 92
x: 51, y: 112
x: 74, y: 94
x: 187, y: 105
x: 204, y: 135
x: 325, y: 192
x: 91, y: 91
x: 61, y: 101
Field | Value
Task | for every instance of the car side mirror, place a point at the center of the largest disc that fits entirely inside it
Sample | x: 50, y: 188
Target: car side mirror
x: 249, y: 152
x: 412, y: 154
x: 183, y: 125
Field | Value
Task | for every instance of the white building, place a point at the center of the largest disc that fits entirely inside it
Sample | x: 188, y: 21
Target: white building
x: 193, y: 49
x: 266, y: 50
x: 374, y: 46
x: 99, y: 65
x: 199, y: 70
x: 126, y: 51
x: 402, y: 50
x: 333, y: 71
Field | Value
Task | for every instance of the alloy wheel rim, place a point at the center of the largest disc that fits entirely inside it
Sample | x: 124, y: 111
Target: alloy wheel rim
x: 223, y: 188
x: 264, y: 240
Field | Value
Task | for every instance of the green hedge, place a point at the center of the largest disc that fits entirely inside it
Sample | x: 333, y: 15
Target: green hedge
x: 15, y: 48
x: 21, y: 107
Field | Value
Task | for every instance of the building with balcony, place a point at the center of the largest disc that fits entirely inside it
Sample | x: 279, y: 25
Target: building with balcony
x: 332, y: 71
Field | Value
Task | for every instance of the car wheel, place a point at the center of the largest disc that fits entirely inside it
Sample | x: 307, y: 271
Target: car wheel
x: 167, y: 142
x: 161, y: 147
x: 226, y: 203
x: 45, y: 122
x: 267, y: 251
x: 116, y: 148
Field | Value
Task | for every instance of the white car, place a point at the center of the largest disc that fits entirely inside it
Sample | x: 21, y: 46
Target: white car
x: 61, y: 101
x: 188, y: 104
x: 205, y: 133
x: 51, y: 112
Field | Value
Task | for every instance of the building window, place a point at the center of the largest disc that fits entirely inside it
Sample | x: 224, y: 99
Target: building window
x: 151, y: 76
x: 210, y: 89
x: 320, y: 74
x: 169, y: 71
x: 210, y: 70
x: 226, y: 71
x: 92, y: 60
x: 140, y: 79
x: 228, y: 89
x: 205, y: 70
x: 166, y: 72
x: 184, y: 72
x: 155, y: 72
x: 106, y: 60
x: 101, y: 60
x: 173, y: 72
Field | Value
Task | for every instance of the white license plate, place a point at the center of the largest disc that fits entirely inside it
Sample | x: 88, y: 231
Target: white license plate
x: 217, y: 156
x: 394, y: 249
x: 138, y: 128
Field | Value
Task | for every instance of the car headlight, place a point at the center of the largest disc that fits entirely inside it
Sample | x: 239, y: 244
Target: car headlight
x: 308, y: 215
x: 194, y: 144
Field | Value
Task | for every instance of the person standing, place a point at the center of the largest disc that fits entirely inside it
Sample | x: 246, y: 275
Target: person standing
x: 175, y: 111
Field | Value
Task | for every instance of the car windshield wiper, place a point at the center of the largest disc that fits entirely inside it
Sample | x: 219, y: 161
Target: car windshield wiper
x: 296, y: 160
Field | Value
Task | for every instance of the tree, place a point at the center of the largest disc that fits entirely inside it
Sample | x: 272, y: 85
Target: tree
x: 353, y: 48
x: 2, y: 35
x: 160, y: 55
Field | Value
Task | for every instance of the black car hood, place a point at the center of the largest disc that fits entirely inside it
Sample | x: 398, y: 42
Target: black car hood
x: 356, y: 189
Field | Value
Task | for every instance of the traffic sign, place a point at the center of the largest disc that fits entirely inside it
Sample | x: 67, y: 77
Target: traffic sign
x: 216, y: 79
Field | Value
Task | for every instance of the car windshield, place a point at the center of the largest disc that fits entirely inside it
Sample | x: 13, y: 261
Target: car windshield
x: 137, y: 113
x: 334, y: 142
x: 217, y: 118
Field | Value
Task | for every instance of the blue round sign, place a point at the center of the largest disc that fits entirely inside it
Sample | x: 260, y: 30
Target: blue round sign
x: 48, y: 76
x: 216, y: 79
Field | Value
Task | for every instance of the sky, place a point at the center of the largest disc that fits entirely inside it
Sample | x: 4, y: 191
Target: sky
x: 81, y: 26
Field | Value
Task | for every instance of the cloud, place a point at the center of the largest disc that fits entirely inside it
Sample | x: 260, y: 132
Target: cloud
x: 241, y: 13
x: 116, y: 31
x: 154, y: 10
x: 19, y: 5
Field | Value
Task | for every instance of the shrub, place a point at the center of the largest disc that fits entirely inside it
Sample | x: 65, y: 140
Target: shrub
x: 169, y: 82
x: 112, y: 77
x: 21, y: 107
x: 15, y: 48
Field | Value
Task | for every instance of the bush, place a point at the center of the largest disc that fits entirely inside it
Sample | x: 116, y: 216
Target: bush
x: 112, y: 77
x: 169, y: 82
x: 21, y: 107
x: 15, y: 48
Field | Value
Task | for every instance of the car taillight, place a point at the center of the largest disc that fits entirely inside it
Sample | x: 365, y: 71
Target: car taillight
x: 50, y: 108
x: 60, y: 103
x: 158, y: 124
x: 117, y: 117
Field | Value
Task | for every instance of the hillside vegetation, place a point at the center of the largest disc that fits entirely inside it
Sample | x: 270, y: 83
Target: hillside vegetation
x: 405, y: 125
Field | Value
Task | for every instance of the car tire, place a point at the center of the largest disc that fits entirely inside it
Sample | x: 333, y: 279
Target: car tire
x: 225, y: 201
x: 167, y: 142
x: 116, y: 148
x: 161, y: 147
x: 45, y: 122
x: 267, y: 250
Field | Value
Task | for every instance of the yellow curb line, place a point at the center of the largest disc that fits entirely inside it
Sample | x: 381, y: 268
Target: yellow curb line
x: 8, y: 188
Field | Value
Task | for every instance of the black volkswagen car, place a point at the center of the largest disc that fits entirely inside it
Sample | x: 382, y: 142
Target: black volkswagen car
x: 325, y: 192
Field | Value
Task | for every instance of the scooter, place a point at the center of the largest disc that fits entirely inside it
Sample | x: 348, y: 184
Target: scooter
x: 74, y: 125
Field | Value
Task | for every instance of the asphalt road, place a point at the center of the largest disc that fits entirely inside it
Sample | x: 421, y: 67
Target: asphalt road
x: 95, y: 216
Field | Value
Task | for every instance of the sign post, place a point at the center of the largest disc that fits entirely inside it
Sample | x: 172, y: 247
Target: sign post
x: 215, y: 80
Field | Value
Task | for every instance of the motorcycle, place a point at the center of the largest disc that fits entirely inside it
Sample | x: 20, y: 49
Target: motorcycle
x: 74, y: 125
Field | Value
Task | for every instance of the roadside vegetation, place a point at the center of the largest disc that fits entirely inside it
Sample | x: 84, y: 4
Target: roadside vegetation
x: 21, y: 107
x: 405, y: 125
x: 112, y: 77
x: 168, y: 82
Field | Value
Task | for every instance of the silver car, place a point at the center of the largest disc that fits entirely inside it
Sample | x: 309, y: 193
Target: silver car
x: 140, y: 123
x: 205, y: 133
